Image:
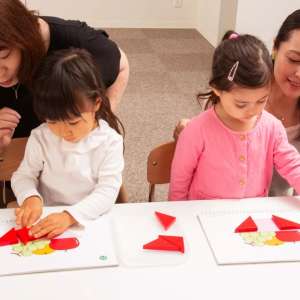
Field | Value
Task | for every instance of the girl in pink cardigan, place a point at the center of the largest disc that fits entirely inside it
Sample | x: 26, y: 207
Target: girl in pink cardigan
x: 229, y: 150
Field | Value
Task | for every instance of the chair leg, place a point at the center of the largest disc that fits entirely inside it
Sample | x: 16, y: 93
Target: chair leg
x: 151, y: 192
x: 123, y: 196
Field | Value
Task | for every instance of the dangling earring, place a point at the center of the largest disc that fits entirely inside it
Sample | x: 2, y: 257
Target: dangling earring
x: 273, y: 55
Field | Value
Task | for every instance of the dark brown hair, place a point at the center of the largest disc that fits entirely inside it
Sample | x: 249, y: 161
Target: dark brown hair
x: 19, y: 28
x: 292, y: 22
x: 64, y: 81
x: 254, y: 65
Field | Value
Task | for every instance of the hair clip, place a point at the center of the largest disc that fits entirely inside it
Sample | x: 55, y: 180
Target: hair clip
x: 232, y: 71
x: 233, y: 36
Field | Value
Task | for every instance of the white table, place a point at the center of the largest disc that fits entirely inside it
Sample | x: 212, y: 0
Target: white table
x: 199, y: 278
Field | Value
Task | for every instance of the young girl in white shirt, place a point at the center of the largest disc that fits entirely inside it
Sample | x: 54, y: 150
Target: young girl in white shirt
x: 75, y: 158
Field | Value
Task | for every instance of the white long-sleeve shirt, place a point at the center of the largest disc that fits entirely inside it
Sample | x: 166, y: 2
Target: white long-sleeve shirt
x: 86, y: 175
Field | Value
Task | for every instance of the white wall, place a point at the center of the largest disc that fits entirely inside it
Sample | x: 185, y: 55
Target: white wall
x: 263, y: 17
x: 121, y: 13
x: 208, y: 19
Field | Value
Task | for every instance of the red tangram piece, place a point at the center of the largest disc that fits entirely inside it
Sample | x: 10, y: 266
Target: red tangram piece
x: 176, y: 240
x: 64, y: 243
x: 165, y: 220
x: 246, y: 226
x: 167, y: 243
x: 9, y: 238
x: 284, y: 224
x: 23, y: 235
x: 288, y: 236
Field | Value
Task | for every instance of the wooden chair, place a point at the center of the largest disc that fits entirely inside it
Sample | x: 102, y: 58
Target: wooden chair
x: 10, y: 160
x: 159, y: 166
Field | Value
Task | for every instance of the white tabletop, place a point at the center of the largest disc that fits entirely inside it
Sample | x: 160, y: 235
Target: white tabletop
x: 199, y: 278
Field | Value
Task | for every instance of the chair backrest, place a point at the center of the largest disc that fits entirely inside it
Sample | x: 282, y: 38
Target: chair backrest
x: 11, y: 158
x: 159, y: 166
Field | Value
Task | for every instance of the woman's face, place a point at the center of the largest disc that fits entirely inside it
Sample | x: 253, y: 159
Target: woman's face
x: 10, y: 60
x: 287, y: 66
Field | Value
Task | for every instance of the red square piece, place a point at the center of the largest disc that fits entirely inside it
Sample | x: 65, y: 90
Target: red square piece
x: 288, y: 236
x: 167, y: 243
x: 247, y: 226
x: 284, y: 224
x: 9, y: 238
x: 175, y: 240
x: 165, y: 220
x: 160, y: 244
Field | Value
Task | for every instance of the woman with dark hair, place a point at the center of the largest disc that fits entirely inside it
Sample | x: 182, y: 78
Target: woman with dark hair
x: 75, y: 157
x: 25, y: 39
x: 284, y: 101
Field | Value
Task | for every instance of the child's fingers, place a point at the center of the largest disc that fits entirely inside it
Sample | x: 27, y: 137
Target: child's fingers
x: 54, y: 233
x: 45, y: 231
x: 33, y: 217
x: 44, y: 223
x: 17, y: 211
x: 26, y: 217
x: 19, y: 216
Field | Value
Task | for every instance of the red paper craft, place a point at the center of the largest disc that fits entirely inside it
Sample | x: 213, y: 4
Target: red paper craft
x: 176, y: 240
x: 64, y: 244
x: 246, y: 226
x: 23, y: 235
x: 288, y: 236
x: 9, y: 238
x: 167, y: 243
x: 284, y: 224
x: 165, y: 220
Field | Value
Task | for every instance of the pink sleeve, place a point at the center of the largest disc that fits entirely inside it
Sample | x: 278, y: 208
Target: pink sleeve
x: 188, y: 150
x: 287, y: 160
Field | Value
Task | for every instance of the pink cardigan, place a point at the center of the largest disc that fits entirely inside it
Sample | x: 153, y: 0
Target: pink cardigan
x: 213, y: 162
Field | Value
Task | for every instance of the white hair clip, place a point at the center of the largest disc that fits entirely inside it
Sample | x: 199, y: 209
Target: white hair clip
x: 232, y: 71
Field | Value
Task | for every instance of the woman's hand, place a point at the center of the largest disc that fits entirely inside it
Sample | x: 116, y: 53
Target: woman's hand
x: 179, y: 127
x: 30, y: 211
x: 9, y: 120
x: 53, y: 225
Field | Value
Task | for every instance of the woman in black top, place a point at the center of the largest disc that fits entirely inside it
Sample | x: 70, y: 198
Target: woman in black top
x: 24, y: 40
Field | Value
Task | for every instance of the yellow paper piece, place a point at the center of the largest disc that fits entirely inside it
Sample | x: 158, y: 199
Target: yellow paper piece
x: 44, y: 251
x: 274, y: 242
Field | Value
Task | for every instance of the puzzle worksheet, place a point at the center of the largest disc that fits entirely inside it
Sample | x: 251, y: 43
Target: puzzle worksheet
x: 253, y: 238
x: 77, y: 248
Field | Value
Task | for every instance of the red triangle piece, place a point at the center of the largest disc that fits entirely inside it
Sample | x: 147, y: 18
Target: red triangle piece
x: 165, y: 220
x: 64, y: 244
x: 160, y: 244
x: 246, y: 226
x: 9, y: 238
x: 23, y: 235
x: 288, y: 236
x: 175, y: 240
x: 284, y: 224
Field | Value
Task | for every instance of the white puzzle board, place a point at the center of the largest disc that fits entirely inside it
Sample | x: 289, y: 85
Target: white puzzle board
x: 132, y: 232
x: 228, y: 247
x: 96, y: 250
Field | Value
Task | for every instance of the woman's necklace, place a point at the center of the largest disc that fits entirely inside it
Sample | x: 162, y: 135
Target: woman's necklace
x: 16, y: 90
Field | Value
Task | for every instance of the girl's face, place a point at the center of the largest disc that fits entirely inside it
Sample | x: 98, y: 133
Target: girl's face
x: 243, y: 104
x: 287, y: 66
x: 10, y: 60
x: 75, y: 129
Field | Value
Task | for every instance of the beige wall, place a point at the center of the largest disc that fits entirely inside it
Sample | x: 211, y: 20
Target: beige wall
x: 122, y: 13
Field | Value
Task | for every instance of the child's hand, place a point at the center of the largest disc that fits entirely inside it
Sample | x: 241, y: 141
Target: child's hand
x: 53, y: 225
x: 29, y: 212
x: 179, y: 127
